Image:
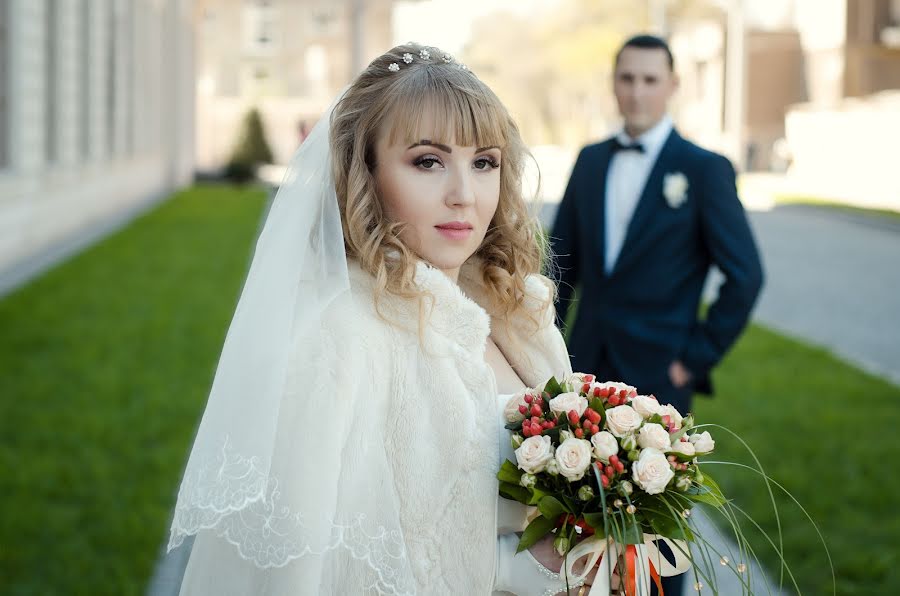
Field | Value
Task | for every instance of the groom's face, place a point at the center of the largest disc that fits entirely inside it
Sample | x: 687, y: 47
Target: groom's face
x: 643, y: 84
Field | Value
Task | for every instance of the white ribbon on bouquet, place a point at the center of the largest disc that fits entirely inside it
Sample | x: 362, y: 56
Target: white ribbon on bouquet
x: 609, y: 550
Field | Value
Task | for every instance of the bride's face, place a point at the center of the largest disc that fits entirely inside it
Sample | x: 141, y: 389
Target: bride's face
x: 445, y: 194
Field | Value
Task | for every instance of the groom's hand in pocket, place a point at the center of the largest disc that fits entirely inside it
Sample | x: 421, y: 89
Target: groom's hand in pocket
x: 679, y: 375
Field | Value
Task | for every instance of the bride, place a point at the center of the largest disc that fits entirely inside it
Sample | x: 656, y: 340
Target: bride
x: 354, y: 426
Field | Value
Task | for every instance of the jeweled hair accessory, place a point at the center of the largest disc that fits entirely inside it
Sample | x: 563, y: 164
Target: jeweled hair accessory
x: 425, y: 55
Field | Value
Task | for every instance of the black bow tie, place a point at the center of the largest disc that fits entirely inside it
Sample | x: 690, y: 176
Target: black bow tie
x: 618, y: 145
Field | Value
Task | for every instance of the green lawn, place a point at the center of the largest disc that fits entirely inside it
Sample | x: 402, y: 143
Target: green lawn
x: 825, y: 431
x: 105, y: 364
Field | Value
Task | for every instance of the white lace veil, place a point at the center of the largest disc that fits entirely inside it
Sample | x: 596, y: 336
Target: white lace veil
x: 287, y: 487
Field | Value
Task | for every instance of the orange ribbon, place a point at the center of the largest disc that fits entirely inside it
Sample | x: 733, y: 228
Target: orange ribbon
x: 631, y: 572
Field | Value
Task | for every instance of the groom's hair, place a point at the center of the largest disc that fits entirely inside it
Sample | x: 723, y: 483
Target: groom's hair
x: 647, y: 42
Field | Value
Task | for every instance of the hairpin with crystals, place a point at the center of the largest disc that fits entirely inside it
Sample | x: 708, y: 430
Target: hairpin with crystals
x: 424, y: 55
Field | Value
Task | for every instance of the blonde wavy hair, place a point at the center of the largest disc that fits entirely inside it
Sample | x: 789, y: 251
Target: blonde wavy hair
x: 396, y: 100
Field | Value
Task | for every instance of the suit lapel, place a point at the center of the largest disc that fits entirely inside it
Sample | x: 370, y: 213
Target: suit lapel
x: 649, y: 201
x: 598, y: 171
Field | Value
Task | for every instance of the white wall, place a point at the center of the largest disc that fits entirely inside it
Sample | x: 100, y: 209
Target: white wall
x: 107, y: 163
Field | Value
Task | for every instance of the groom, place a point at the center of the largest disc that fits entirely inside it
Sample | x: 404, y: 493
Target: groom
x: 644, y: 216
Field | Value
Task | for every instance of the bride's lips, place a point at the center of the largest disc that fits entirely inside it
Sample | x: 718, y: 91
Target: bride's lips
x: 455, y: 230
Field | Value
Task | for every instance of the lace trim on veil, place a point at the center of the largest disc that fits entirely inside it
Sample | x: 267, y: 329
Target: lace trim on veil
x: 228, y: 496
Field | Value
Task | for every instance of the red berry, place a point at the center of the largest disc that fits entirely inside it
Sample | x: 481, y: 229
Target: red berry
x: 620, y: 467
x: 605, y: 392
x: 552, y: 424
x: 586, y: 387
x: 536, y: 410
x: 535, y: 420
x: 526, y: 430
x: 528, y: 399
x: 579, y: 433
x: 622, y: 395
x: 523, y: 409
x: 609, y: 471
x: 666, y: 420
x: 589, y: 378
x: 594, y: 429
x: 613, y: 459
x: 545, y: 424
x: 573, y: 417
x: 613, y: 401
x: 605, y: 481
x: 586, y: 424
x: 596, y: 392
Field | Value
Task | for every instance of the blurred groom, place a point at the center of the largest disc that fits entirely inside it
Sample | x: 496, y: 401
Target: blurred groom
x: 644, y: 216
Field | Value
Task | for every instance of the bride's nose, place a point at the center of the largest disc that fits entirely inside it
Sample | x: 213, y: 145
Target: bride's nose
x: 461, y: 188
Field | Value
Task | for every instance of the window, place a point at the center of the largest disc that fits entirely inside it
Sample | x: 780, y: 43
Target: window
x: 4, y: 83
x: 84, y: 63
x: 51, y: 76
x: 260, y: 26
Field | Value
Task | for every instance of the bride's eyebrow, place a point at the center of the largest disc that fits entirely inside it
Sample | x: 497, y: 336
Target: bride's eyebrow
x: 443, y: 148
x: 447, y: 149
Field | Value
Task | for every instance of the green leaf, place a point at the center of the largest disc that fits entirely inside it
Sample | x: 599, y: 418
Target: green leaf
x: 551, y: 508
x: 513, y: 425
x: 536, y: 495
x: 708, y: 492
x: 663, y: 524
x: 553, y: 387
x: 595, y: 520
x: 515, y: 492
x: 596, y: 404
x: 537, y: 529
x: 509, y: 472
x: 633, y: 533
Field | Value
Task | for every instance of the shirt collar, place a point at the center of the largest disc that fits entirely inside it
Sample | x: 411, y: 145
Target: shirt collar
x: 653, y: 139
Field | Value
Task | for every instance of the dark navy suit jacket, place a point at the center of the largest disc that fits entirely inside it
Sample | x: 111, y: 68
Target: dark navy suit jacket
x: 636, y: 320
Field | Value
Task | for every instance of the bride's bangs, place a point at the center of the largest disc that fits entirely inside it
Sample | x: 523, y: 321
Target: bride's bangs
x: 447, y: 107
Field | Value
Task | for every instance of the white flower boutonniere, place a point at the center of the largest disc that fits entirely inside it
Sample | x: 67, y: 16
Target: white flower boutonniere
x: 675, y: 186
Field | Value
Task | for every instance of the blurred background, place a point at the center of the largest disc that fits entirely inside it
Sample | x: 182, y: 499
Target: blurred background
x: 139, y: 144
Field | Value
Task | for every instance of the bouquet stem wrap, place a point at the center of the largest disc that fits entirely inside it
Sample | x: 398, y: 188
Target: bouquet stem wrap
x: 642, y: 562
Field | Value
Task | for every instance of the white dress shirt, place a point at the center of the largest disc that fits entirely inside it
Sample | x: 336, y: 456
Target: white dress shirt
x: 625, y: 181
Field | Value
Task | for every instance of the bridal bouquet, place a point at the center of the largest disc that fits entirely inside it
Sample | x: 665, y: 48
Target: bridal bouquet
x: 613, y: 474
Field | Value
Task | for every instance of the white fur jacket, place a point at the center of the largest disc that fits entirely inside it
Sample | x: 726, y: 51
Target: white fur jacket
x: 414, y: 489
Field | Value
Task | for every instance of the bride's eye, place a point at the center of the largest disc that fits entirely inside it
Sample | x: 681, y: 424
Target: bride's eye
x: 485, y: 162
x: 427, y: 162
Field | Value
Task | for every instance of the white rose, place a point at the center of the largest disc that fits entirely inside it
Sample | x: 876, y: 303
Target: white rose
x: 577, y: 380
x: 511, y: 410
x: 684, y: 448
x: 573, y: 458
x: 673, y: 414
x: 564, y: 402
x: 645, y: 405
x: 604, y: 445
x: 622, y: 420
x: 534, y: 453
x: 652, y: 471
x: 703, y: 442
x: 654, y: 435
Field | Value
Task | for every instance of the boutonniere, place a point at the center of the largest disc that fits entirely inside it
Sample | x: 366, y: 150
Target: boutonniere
x: 675, y: 186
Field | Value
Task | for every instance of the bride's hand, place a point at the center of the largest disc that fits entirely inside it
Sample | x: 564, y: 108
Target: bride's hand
x: 547, y: 556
